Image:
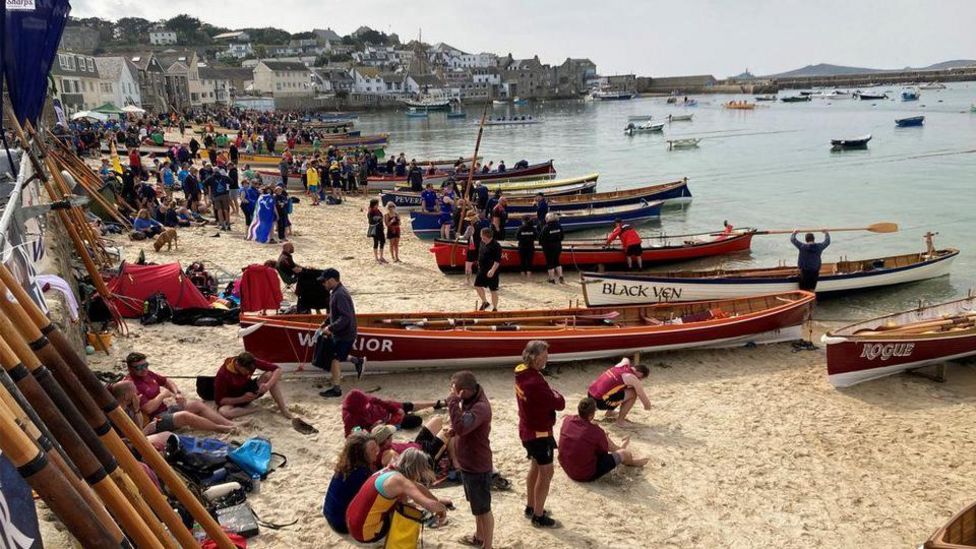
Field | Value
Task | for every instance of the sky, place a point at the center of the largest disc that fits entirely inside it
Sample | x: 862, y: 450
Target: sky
x: 649, y: 37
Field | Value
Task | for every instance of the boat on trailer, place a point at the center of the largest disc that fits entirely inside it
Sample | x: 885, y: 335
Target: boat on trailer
x: 850, y: 143
x: 958, y: 533
x: 843, y: 276
x: 461, y: 339
x: 910, y: 122
x: 901, y: 342
x: 595, y: 254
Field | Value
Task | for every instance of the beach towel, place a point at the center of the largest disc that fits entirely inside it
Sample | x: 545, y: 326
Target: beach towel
x: 262, y: 226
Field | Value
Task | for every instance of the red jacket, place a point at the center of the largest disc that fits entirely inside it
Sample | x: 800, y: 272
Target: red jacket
x: 365, y: 411
x: 628, y: 236
x: 537, y: 403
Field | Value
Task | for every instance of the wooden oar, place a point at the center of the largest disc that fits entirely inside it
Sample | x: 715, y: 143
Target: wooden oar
x: 50, y: 484
x: 883, y: 227
x: 26, y: 314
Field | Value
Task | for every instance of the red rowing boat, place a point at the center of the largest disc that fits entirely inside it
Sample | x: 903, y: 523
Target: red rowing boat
x: 431, y: 340
x: 900, y: 342
x: 593, y: 254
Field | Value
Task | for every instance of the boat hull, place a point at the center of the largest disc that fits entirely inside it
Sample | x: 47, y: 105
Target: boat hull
x: 601, y: 289
x: 450, y: 257
x: 425, y: 224
x: 914, y: 121
x: 533, y: 171
x: 854, y: 357
x: 411, y: 200
x: 291, y: 343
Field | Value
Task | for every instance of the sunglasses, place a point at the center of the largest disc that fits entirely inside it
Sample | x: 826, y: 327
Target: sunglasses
x: 141, y: 366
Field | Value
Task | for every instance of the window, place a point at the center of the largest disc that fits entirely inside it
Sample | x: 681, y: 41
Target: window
x: 71, y: 62
x: 63, y: 61
x: 278, y: 86
x: 91, y: 64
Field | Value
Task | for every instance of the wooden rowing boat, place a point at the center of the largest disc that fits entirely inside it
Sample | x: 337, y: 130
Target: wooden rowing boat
x: 902, y: 341
x: 958, y: 533
x: 842, y: 276
x: 432, y: 340
x: 851, y: 143
x: 595, y: 254
x: 538, y: 170
x: 740, y: 105
x: 670, y: 193
x: 680, y: 117
x: 427, y: 224
x: 686, y: 143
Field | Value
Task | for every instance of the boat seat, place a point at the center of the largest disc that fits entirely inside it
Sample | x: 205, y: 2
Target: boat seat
x: 651, y: 321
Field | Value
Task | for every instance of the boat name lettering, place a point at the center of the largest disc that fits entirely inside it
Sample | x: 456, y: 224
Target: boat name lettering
x: 665, y: 293
x: 885, y: 351
x: 369, y: 344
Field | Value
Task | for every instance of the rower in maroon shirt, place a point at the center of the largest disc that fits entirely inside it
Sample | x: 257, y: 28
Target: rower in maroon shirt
x: 586, y: 453
x: 235, y: 388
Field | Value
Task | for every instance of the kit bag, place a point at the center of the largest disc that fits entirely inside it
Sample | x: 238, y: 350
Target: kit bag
x: 406, y: 525
x: 254, y: 456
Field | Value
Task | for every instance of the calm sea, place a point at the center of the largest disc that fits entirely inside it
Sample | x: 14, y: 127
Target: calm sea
x: 770, y: 168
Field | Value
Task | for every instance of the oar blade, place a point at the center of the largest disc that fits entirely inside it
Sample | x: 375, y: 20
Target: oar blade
x: 884, y: 228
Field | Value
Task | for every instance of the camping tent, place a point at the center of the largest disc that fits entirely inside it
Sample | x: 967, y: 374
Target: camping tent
x: 135, y: 283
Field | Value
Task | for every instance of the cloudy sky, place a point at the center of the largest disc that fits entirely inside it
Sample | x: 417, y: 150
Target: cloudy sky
x: 647, y: 37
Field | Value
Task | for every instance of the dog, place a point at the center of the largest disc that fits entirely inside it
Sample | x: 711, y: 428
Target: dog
x: 168, y: 238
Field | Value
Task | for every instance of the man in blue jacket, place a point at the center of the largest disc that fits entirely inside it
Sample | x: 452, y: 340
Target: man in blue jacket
x: 339, y: 331
x: 809, y: 259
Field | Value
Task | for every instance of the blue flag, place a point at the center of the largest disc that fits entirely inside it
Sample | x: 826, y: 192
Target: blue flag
x: 32, y: 32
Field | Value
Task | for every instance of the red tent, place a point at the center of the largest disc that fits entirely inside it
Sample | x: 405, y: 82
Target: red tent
x: 136, y: 283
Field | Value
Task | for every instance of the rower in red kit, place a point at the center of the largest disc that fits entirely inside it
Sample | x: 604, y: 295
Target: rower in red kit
x: 631, y: 241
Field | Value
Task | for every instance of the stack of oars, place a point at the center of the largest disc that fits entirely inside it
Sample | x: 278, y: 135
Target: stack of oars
x: 68, y: 161
x: 962, y: 321
x: 56, y: 426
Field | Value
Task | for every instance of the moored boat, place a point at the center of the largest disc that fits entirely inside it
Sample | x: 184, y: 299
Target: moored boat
x: 910, y: 94
x: 900, y: 342
x: 686, y: 143
x: 670, y: 193
x: 427, y: 224
x: 842, y: 276
x: 680, y: 117
x: 932, y: 86
x: 768, y: 97
x: 645, y: 127
x: 426, y: 340
x: 428, y: 104
x: 739, y: 105
x: 838, y: 94
x: 959, y: 532
x: 850, y: 143
x: 532, y: 171
x: 524, y: 121
x: 594, y: 254
x: 410, y: 200
x: 910, y: 122
x: 872, y: 96
x: 611, y: 95
x: 639, y: 117
x: 796, y: 99
x: 417, y: 114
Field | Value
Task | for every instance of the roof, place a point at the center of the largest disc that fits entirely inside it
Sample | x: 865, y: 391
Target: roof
x: 169, y: 58
x: 426, y: 80
x: 284, y: 65
x: 392, y: 77
x: 110, y: 67
x: 78, y: 67
x: 369, y: 72
x: 229, y: 35
x: 226, y: 73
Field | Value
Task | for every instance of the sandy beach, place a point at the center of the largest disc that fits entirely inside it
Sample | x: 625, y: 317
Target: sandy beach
x: 749, y: 447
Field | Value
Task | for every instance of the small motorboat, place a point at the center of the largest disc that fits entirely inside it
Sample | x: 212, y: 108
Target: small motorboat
x: 672, y: 100
x: 417, y: 114
x: 900, y: 342
x: 872, y: 96
x: 691, y: 103
x: 910, y: 122
x: 518, y: 102
x: 768, y: 97
x: 852, y: 143
x: 686, y: 143
x: 646, y: 127
x: 910, y: 94
x: 680, y: 117
x: 796, y: 99
x: 499, y: 102
x: 838, y: 94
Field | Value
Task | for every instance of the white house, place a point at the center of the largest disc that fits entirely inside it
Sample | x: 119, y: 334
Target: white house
x: 237, y: 50
x: 368, y: 80
x: 282, y: 78
x: 161, y: 36
x: 118, y: 81
x: 472, y: 60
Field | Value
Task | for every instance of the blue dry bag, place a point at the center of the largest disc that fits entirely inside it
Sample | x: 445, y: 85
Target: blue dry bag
x: 254, y: 456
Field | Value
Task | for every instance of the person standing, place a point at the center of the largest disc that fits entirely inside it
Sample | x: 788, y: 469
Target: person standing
x: 392, y: 221
x: 428, y: 199
x: 282, y: 205
x: 470, y: 413
x: 537, y: 407
x: 283, y: 169
x: 489, y: 262
x: 809, y: 260
x: 374, y: 217
x: 499, y: 217
x: 338, y: 333
x: 526, y: 236
x: 541, y: 207
x: 551, y: 241
x: 630, y: 240
x: 415, y: 176
x: 220, y: 196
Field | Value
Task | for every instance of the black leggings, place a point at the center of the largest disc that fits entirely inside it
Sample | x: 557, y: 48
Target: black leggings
x: 552, y: 256
x: 379, y: 239
x: 525, y: 258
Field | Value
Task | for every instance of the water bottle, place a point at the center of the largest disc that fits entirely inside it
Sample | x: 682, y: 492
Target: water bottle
x: 220, y: 490
x: 255, y: 483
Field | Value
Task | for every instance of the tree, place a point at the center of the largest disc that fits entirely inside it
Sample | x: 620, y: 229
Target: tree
x: 268, y: 35
x: 133, y: 29
x: 303, y: 35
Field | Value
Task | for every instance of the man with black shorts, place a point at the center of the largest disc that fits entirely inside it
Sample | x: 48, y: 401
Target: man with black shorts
x: 586, y: 453
x: 620, y: 386
x: 470, y: 414
x: 489, y: 262
x: 809, y: 259
x: 537, y: 407
x: 338, y: 332
x: 631, y: 241
x: 235, y: 387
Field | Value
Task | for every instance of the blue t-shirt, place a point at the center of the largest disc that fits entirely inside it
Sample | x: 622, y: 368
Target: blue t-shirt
x: 430, y: 199
x: 182, y: 174
x: 340, y: 494
x: 168, y: 180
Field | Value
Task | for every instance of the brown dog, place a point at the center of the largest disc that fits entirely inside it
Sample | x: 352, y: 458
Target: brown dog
x: 168, y: 238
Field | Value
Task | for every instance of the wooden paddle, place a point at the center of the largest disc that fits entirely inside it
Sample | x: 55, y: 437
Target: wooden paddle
x: 883, y: 227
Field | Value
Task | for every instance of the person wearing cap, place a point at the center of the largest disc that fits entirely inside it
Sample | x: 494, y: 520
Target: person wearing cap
x: 432, y: 439
x: 481, y: 196
x: 631, y: 241
x: 161, y: 401
x: 338, y: 333
x: 235, y: 388
x: 470, y: 413
x: 537, y: 406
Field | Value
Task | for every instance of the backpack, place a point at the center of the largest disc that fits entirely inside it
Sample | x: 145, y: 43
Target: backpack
x: 156, y: 309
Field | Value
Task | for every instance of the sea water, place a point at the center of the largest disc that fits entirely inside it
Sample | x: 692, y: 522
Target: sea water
x: 770, y: 168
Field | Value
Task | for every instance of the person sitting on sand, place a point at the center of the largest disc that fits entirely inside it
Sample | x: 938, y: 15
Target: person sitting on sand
x: 370, y: 513
x: 620, y: 386
x: 128, y: 398
x: 365, y: 411
x: 354, y: 466
x: 146, y: 225
x: 433, y: 439
x: 161, y: 401
x: 586, y: 453
x: 235, y: 388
